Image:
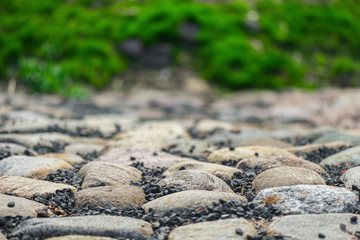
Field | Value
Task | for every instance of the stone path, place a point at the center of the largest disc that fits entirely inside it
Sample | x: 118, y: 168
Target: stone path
x: 174, y: 165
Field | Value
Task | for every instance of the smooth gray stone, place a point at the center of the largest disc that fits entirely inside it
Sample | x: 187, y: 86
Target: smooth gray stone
x: 190, y: 199
x: 351, y: 177
x: 308, y: 226
x: 336, y: 136
x: 220, y: 229
x: 351, y: 155
x: 286, y: 176
x: 23, y: 207
x: 303, y: 199
x: 32, y: 167
x: 195, y: 180
x: 106, y: 226
x: 11, y: 149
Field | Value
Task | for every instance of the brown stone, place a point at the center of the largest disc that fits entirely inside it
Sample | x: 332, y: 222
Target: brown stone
x: 286, y: 176
x: 118, y: 196
x: 95, y: 173
x: 195, y: 180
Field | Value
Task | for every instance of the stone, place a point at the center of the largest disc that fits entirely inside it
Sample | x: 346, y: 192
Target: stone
x: 308, y: 226
x: 151, y: 157
x: 336, y: 136
x: 69, y: 158
x: 11, y: 149
x: 247, y: 152
x: 32, y: 167
x: 82, y: 148
x: 280, y: 161
x: 95, y: 173
x: 79, y: 237
x: 209, y: 125
x: 31, y: 140
x: 220, y: 229
x: 286, y: 176
x: 26, y: 187
x: 23, y: 207
x: 189, y: 199
x: 351, y: 155
x: 192, y: 147
x: 351, y: 178
x: 237, y: 138
x: 305, y: 199
x: 301, y: 150
x: 266, y: 141
x: 195, y: 180
x: 2, y: 236
x: 118, y: 196
x: 213, y: 168
x: 106, y: 226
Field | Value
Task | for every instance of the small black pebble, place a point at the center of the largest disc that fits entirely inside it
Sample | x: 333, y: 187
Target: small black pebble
x: 321, y: 235
x: 343, y: 227
x: 239, y: 231
x: 353, y: 219
x: 11, y: 204
x: 155, y: 154
x: 256, y: 154
x: 231, y: 148
x: 132, y: 158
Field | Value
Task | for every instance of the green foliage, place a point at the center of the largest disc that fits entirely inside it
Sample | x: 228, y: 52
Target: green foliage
x: 57, y: 46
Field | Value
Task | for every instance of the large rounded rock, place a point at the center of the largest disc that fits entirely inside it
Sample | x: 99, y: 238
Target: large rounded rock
x: 69, y: 158
x: 351, y: 155
x: 26, y: 187
x: 280, y: 161
x: 22, y: 207
x: 11, y: 149
x: 247, y: 152
x: 95, y: 173
x: 309, y: 226
x: 215, y: 169
x: 303, y: 199
x: 189, y: 199
x: 79, y: 237
x: 32, y: 167
x: 336, y: 136
x: 83, y: 148
x: 286, y: 176
x: 195, y: 180
x: 149, y: 156
x: 351, y: 178
x: 118, y: 196
x: 221, y: 229
x: 192, y: 147
x: 107, y: 226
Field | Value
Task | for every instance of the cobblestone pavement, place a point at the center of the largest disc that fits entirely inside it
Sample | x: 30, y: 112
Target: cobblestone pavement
x: 152, y: 164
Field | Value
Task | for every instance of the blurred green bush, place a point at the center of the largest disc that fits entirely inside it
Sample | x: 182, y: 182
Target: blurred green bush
x: 60, y: 46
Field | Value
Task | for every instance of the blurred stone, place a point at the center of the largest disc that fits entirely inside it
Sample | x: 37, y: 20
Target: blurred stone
x: 132, y: 47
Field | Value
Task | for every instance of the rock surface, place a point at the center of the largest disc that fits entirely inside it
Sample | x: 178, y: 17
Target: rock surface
x: 351, y: 178
x: 303, y: 199
x: 221, y: 229
x: 26, y: 187
x: 107, y: 226
x: 189, y: 199
x: 286, y: 176
x: 118, y: 196
x: 151, y: 157
x: 79, y: 237
x: 195, y: 180
x: 69, y: 158
x: 22, y: 207
x: 247, y: 152
x: 351, y: 155
x: 309, y: 226
x: 95, y: 173
x: 215, y: 169
x: 32, y: 167
x: 280, y: 161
